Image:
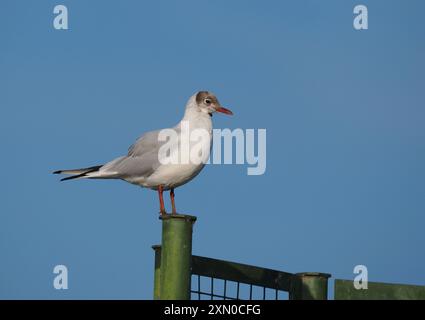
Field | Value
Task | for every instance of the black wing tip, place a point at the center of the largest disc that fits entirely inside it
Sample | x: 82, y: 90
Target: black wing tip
x: 86, y: 170
x: 69, y: 178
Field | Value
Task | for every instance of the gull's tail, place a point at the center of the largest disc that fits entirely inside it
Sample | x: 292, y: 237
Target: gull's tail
x: 78, y: 173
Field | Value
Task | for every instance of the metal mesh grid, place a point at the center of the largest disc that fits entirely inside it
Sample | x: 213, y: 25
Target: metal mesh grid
x: 226, y: 280
x: 209, y: 288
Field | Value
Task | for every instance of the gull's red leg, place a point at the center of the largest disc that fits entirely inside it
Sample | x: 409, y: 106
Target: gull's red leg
x: 173, y: 205
x: 161, y: 201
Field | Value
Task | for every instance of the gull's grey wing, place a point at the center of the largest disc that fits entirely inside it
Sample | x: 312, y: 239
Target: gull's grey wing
x: 146, y: 143
x: 132, y: 167
x: 142, y: 158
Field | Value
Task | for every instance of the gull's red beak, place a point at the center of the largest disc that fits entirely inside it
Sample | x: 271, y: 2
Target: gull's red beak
x: 224, y: 110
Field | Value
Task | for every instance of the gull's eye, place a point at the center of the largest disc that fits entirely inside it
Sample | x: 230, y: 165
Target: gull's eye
x: 207, y: 101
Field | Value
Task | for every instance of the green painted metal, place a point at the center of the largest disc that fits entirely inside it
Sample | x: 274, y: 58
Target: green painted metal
x: 243, y: 273
x: 176, y: 256
x: 157, y: 273
x: 345, y: 290
x: 310, y: 286
x: 174, y: 265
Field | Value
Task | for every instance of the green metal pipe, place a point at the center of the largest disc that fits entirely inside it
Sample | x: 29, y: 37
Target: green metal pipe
x: 310, y: 286
x: 176, y: 256
x: 157, y: 273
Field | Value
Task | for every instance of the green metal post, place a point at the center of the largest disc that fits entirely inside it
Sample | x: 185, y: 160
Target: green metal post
x: 310, y: 286
x: 157, y: 273
x: 176, y: 256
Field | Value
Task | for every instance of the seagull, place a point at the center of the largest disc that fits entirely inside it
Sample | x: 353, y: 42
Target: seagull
x: 144, y: 163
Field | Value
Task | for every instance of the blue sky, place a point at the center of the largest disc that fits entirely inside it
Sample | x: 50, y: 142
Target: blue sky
x: 344, y: 112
